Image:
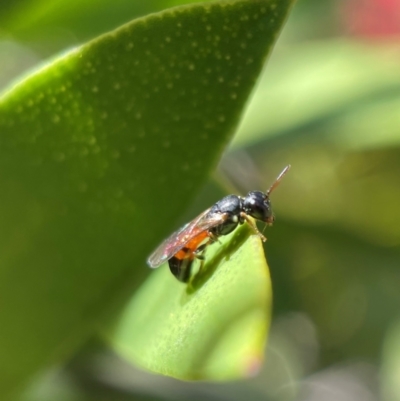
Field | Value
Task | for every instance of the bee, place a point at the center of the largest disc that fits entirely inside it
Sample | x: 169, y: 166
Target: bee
x: 182, y: 247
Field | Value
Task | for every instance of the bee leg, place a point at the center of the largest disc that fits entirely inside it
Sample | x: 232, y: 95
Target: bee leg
x: 212, y: 238
x: 200, y: 254
x: 253, y: 226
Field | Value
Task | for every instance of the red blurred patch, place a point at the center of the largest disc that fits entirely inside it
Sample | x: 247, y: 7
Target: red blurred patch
x: 373, y: 19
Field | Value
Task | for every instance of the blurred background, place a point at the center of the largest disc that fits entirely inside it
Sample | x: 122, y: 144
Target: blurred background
x: 328, y: 103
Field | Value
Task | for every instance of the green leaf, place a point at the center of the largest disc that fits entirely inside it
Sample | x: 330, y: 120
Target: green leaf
x: 214, y: 328
x: 72, y: 20
x: 99, y: 153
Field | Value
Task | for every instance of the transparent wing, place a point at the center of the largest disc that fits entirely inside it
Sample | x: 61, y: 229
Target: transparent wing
x: 176, y: 241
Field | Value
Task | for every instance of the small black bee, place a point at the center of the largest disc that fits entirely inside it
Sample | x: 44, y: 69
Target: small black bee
x: 188, y: 243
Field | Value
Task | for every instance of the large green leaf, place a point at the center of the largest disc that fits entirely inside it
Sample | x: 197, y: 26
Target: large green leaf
x: 215, y: 327
x: 100, y: 151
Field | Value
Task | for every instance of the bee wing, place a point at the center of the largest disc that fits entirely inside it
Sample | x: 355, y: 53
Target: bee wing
x: 177, y: 240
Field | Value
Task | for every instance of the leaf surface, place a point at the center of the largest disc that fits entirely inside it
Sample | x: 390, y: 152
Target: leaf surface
x: 215, y: 327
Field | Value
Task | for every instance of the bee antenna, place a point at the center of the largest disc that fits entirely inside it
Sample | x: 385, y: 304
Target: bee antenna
x: 278, y: 180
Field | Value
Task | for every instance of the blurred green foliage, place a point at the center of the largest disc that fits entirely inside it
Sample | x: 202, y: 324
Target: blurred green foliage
x: 328, y: 104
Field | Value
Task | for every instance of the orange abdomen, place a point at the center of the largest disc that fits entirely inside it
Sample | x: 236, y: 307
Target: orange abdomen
x: 190, y: 248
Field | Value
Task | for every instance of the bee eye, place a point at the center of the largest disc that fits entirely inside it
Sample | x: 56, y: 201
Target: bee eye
x: 257, y: 205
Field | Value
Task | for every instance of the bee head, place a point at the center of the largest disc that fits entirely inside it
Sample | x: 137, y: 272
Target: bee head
x: 258, y: 205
